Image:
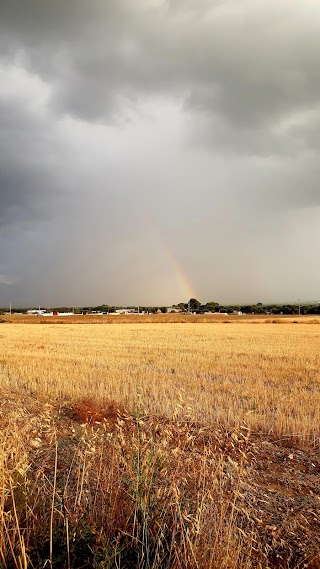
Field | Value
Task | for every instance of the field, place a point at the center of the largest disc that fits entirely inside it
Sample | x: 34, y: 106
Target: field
x: 164, y: 441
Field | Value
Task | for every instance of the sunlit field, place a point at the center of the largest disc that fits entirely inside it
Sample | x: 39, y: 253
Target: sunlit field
x: 154, y: 445
x: 266, y: 377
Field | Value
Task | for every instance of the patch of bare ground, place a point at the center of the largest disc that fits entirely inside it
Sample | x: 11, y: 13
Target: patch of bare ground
x: 92, y: 485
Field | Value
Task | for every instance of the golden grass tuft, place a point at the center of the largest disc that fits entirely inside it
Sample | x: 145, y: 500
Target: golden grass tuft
x: 160, y: 447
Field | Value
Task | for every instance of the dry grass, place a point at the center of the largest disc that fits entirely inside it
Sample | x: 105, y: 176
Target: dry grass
x: 177, y: 318
x: 266, y: 377
x: 155, y: 446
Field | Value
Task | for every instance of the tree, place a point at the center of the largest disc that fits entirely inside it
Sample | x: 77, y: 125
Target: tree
x: 275, y: 310
x: 287, y: 309
x: 211, y: 306
x: 194, y: 304
x: 246, y: 309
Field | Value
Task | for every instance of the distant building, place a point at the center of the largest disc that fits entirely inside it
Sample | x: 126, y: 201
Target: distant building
x: 37, y: 312
x: 126, y: 311
x: 64, y: 314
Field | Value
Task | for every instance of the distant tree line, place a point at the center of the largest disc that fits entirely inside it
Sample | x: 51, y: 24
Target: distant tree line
x: 193, y: 305
x: 14, y: 310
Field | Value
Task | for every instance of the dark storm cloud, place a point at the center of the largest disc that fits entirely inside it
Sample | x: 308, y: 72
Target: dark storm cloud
x: 249, y: 65
x: 202, y: 115
x: 30, y: 184
x: 23, y: 175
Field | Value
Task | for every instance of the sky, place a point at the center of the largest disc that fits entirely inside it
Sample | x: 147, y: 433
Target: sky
x: 157, y: 150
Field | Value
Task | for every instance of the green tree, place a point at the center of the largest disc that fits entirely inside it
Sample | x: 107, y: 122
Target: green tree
x: 211, y: 306
x: 246, y: 309
x: 194, y: 304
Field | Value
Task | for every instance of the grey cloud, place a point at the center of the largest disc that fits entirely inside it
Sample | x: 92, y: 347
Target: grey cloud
x: 26, y: 167
x: 199, y: 116
x: 252, y: 64
x: 301, y: 187
x: 6, y: 280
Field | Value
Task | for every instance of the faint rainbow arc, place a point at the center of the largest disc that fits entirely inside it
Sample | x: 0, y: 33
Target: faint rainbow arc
x: 183, y: 281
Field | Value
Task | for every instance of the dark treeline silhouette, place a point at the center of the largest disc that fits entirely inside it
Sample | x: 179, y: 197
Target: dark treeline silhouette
x: 193, y: 306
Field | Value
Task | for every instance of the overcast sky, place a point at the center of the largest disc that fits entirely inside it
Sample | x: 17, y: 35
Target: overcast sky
x: 152, y: 150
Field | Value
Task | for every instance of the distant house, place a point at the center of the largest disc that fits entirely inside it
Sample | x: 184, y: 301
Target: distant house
x: 56, y: 313
x: 65, y: 314
x: 37, y: 312
x: 126, y: 311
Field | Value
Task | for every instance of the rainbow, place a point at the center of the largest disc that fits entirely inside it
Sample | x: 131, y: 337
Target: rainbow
x: 184, y: 284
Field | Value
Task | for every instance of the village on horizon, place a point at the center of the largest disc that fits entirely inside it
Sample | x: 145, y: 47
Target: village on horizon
x: 193, y: 306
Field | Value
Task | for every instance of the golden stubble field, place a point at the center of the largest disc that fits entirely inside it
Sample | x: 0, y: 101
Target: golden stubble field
x: 163, y: 445
x: 264, y: 376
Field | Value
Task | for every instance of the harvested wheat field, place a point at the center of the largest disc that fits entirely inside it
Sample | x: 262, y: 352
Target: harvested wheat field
x: 148, y: 445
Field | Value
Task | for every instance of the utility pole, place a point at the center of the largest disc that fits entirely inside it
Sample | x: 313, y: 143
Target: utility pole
x: 299, y: 306
x: 10, y: 308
